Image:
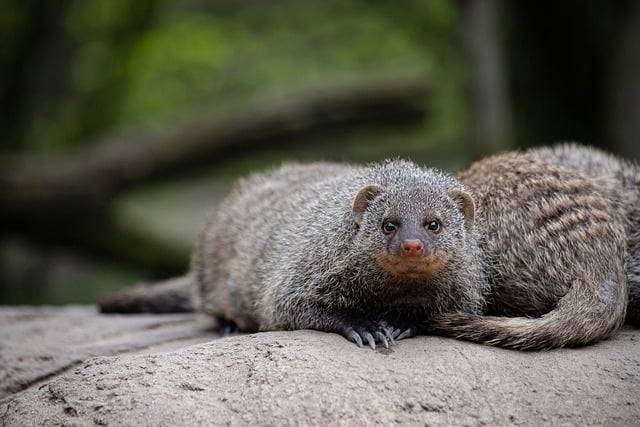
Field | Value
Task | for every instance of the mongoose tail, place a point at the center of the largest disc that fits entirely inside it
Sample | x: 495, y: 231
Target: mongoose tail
x: 170, y: 296
x: 586, y: 314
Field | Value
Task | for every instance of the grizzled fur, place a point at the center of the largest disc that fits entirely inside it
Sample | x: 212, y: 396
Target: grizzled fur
x: 556, y: 226
x: 625, y: 176
x: 303, y: 247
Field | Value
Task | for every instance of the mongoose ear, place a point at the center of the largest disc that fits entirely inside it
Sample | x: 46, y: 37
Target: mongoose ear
x: 362, y: 200
x: 466, y: 204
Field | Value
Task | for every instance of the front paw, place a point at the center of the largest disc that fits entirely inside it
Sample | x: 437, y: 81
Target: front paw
x: 372, y: 332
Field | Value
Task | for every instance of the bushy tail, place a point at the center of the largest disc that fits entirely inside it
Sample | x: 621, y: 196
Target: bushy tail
x: 170, y: 296
x: 584, y: 315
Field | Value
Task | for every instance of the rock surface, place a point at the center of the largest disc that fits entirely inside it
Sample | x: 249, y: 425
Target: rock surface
x: 36, y: 343
x: 73, y: 366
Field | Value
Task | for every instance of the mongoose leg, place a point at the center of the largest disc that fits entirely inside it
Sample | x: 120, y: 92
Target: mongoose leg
x: 226, y: 327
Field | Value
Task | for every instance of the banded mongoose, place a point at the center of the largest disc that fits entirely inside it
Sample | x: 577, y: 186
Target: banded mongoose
x: 550, y: 249
x: 559, y: 236
x: 366, y: 252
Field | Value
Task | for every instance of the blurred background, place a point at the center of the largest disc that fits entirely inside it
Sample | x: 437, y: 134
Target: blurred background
x: 123, y: 121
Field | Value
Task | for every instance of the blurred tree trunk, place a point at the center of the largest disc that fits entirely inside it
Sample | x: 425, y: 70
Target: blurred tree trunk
x: 561, y: 69
x: 36, y: 69
x: 490, y: 111
x: 554, y: 78
x: 625, y: 81
x: 34, y: 66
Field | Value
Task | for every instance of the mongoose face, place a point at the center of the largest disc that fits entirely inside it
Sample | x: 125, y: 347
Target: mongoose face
x: 413, y: 233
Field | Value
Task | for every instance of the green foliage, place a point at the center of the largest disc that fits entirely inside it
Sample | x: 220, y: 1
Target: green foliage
x: 189, y: 60
x: 141, y: 63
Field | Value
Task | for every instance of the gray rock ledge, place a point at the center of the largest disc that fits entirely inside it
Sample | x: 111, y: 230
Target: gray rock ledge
x: 73, y: 366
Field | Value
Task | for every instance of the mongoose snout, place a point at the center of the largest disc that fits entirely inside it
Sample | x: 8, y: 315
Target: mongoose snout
x: 412, y: 248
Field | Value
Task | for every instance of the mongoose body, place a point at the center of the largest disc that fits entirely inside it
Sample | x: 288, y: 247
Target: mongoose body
x: 304, y: 247
x: 555, y: 237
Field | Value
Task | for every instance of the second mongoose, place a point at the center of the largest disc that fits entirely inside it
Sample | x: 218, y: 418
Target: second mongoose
x: 559, y: 237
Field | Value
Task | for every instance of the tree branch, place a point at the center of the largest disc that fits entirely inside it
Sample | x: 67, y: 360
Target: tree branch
x: 89, y: 177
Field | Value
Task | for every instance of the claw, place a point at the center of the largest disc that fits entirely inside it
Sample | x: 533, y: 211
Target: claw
x: 382, y: 339
x: 355, y: 337
x: 370, y: 340
x: 388, y: 333
x: 407, y: 333
x: 372, y: 333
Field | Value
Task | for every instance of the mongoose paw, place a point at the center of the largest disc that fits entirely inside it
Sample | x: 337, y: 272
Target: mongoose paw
x: 370, y: 333
x: 226, y: 327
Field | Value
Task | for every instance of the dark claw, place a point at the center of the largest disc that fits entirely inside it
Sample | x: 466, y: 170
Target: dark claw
x: 370, y: 340
x: 382, y: 339
x: 388, y: 333
x: 407, y: 333
x: 353, y: 336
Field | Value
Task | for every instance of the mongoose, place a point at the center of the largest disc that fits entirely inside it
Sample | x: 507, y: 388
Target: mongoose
x: 559, y: 236
x: 549, y: 245
x: 366, y: 252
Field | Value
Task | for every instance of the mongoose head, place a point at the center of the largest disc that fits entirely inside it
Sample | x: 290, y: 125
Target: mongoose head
x: 414, y: 228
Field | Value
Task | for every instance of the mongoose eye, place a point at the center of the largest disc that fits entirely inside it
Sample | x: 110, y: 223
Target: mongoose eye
x: 434, y: 226
x: 389, y: 227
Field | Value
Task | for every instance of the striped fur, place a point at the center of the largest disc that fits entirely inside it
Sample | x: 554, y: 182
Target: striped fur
x: 556, y: 242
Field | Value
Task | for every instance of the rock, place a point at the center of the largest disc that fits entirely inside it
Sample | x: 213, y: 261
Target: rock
x: 36, y: 343
x: 308, y: 377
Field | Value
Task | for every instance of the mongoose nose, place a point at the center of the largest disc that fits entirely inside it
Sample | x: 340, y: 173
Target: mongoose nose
x: 412, y: 248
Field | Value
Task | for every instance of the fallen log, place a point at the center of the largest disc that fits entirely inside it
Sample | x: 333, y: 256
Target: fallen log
x: 65, y: 200
x: 88, y: 177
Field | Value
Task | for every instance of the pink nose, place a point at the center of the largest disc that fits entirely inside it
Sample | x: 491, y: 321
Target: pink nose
x: 412, y: 248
